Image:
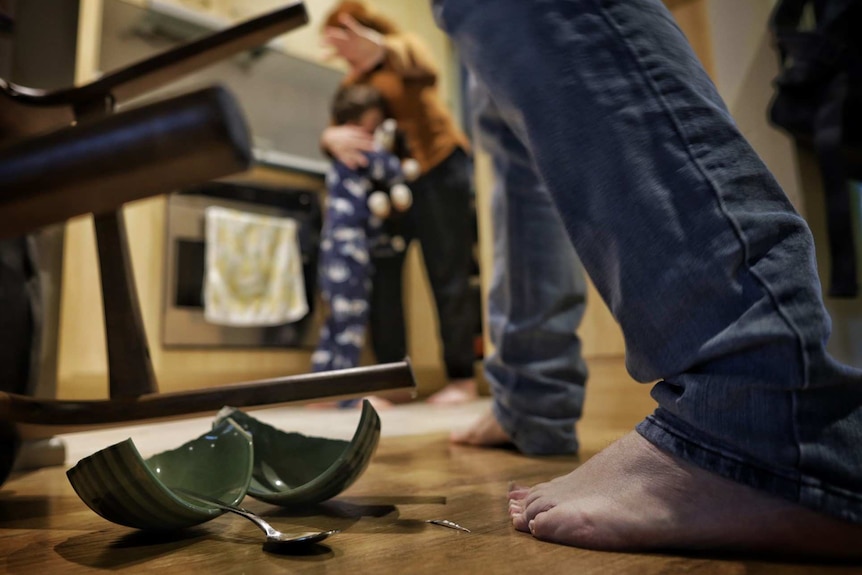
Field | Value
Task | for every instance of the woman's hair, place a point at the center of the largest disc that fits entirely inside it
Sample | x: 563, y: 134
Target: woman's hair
x: 362, y: 13
x: 351, y: 101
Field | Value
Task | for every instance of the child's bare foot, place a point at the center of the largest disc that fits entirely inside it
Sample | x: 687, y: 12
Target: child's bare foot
x: 632, y: 496
x: 322, y: 405
x: 378, y: 403
x: 485, y: 432
x: 457, y: 391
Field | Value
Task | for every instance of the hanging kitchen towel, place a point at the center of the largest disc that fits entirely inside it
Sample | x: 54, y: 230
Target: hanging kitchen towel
x: 253, y: 269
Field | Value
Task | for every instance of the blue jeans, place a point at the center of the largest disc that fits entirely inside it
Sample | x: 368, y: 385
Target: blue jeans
x: 685, y: 233
x: 536, y: 301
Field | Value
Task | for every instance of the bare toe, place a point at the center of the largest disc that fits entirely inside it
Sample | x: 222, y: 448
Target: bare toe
x: 518, y: 492
x: 520, y: 523
x: 515, y: 508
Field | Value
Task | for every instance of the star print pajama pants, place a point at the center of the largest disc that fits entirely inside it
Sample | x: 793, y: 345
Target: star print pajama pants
x: 345, y: 266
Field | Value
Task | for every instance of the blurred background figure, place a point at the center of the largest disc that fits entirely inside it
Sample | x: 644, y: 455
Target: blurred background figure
x: 398, y: 65
x: 350, y: 229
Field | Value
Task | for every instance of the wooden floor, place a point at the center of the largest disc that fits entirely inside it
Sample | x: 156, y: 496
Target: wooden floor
x: 45, y: 528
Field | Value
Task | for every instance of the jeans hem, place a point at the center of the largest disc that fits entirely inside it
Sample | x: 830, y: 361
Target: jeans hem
x: 794, y: 486
x: 531, y: 438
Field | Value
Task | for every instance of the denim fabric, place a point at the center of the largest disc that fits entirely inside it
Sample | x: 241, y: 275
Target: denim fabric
x: 536, y: 301
x: 687, y: 236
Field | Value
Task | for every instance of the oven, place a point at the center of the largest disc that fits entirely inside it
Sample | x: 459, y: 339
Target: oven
x: 285, y: 100
x: 183, y: 322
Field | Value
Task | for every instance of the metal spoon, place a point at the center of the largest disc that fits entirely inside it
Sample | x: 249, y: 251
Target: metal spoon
x: 275, y: 539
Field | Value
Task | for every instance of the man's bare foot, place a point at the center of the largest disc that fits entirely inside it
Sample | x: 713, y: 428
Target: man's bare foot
x: 457, y: 391
x: 632, y: 496
x: 485, y: 432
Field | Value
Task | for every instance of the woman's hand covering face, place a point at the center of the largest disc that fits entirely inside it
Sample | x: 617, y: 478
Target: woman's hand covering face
x: 359, y: 45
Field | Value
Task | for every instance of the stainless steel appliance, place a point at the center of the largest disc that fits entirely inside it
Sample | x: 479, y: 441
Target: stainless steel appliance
x: 183, y: 313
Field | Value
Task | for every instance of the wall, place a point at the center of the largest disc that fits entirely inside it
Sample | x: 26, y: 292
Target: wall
x: 745, y: 67
x: 413, y: 15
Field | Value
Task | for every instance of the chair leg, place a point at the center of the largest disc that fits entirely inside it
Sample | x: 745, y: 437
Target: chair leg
x: 9, y: 444
x: 130, y: 369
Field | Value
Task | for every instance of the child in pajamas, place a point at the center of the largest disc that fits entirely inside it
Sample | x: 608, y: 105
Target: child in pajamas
x: 349, y: 231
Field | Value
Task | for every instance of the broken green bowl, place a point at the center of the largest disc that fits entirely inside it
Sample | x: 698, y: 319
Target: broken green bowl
x: 123, y: 487
x: 293, y: 469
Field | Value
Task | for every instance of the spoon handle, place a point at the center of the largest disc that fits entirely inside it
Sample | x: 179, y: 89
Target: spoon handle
x: 253, y: 517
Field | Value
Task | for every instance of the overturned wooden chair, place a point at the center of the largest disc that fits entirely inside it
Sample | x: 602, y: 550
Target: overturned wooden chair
x: 67, y: 153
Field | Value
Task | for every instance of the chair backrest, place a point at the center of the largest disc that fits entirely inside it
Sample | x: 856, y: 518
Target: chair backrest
x: 65, y: 153
x: 99, y: 165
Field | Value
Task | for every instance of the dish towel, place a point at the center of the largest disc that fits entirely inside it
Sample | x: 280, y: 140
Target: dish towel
x: 253, y: 269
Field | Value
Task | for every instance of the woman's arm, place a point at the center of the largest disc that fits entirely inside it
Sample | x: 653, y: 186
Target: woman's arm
x: 347, y: 144
x: 364, y: 48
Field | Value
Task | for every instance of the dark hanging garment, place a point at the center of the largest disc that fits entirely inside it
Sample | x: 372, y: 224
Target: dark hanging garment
x: 17, y: 327
x: 818, y: 101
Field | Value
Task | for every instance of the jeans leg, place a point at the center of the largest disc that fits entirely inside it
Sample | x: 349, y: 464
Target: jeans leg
x: 537, y: 298
x: 687, y: 236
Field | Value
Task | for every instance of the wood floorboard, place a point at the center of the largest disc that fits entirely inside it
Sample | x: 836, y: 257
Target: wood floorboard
x: 45, y: 528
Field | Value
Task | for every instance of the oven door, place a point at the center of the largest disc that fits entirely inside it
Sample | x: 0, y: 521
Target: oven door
x: 183, y: 322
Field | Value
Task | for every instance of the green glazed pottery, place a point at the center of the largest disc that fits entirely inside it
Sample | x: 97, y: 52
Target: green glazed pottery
x: 118, y: 484
x: 239, y: 456
x: 295, y: 469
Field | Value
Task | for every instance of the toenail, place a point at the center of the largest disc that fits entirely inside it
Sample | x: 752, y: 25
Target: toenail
x: 532, y: 525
